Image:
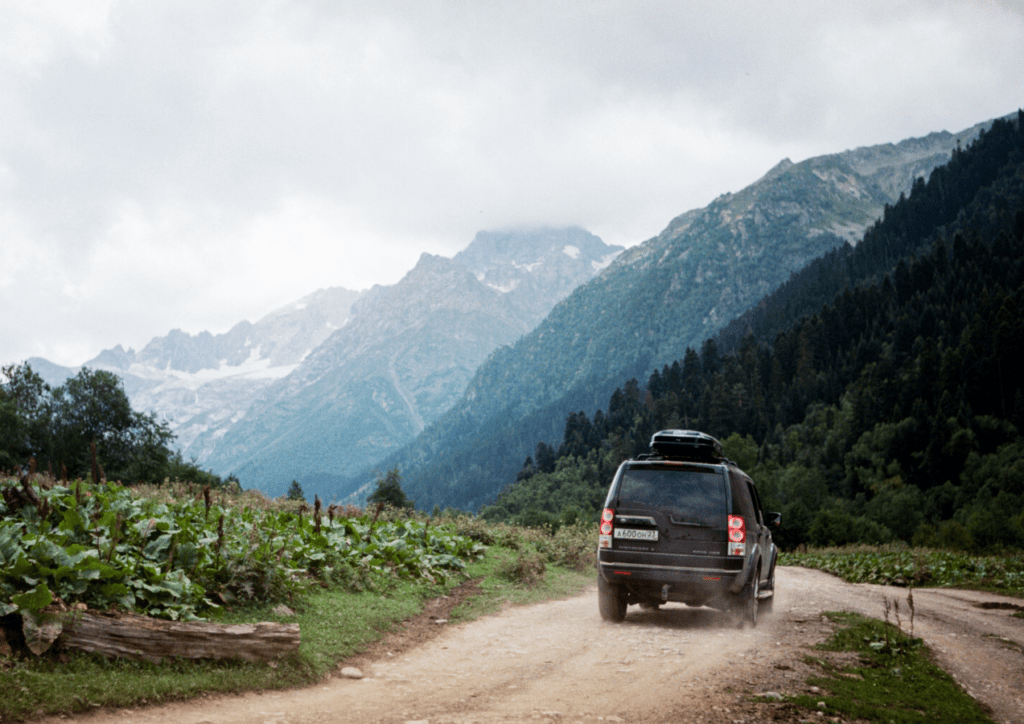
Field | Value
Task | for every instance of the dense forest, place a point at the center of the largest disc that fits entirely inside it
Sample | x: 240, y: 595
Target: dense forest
x: 875, y: 396
x: 85, y: 427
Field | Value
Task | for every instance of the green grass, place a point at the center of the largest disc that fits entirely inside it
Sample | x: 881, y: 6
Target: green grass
x: 498, y: 589
x: 917, y: 567
x: 335, y: 625
x: 892, y: 681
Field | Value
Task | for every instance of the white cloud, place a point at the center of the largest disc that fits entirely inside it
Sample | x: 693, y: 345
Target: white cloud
x: 193, y: 164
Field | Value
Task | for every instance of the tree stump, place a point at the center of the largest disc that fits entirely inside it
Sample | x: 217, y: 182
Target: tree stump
x: 148, y: 639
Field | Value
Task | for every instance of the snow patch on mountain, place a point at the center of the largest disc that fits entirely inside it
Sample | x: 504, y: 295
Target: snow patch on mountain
x: 505, y: 289
x: 530, y: 268
x: 606, y: 261
x: 253, y: 368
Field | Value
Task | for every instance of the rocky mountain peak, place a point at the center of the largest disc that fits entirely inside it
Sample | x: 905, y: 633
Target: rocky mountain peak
x: 114, y: 359
x: 776, y: 171
x: 436, y: 282
x: 523, y: 250
x: 536, y: 267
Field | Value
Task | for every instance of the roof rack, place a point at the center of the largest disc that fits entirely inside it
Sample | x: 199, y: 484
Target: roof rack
x: 654, y: 457
x: 687, y: 445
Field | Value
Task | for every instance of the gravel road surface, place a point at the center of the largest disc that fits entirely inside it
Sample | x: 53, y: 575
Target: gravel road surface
x: 558, y: 662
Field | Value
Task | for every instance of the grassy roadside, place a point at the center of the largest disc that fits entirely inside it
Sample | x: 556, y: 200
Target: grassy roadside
x: 335, y: 625
x: 891, y: 678
x: 504, y: 582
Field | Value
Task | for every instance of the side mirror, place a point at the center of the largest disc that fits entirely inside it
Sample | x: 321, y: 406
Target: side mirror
x: 773, y: 519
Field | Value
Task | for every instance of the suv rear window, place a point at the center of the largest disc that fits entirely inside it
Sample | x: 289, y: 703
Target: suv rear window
x: 696, y: 497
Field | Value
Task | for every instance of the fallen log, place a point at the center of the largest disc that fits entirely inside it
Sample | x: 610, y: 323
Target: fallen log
x: 148, y: 639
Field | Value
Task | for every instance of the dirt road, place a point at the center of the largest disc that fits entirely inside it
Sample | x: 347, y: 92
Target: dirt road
x: 558, y: 662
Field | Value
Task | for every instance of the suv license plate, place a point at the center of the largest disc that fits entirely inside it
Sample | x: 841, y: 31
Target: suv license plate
x: 634, y: 534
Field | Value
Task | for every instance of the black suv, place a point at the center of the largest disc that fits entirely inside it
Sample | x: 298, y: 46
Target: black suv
x: 685, y: 524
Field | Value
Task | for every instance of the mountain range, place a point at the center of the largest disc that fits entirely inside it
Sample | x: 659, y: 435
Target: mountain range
x: 654, y: 302
x: 874, y: 396
x: 453, y: 374
x: 405, y: 357
x: 329, y: 384
x: 202, y: 384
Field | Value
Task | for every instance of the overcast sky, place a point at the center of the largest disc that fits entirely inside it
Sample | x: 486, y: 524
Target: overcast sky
x: 192, y: 164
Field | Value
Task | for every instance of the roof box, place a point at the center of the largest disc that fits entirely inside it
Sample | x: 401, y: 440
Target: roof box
x: 687, y: 444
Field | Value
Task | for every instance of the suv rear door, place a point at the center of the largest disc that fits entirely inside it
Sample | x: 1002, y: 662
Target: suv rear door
x: 672, y: 508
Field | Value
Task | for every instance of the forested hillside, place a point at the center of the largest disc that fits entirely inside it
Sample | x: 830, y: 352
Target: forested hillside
x: 656, y: 300
x: 877, y: 395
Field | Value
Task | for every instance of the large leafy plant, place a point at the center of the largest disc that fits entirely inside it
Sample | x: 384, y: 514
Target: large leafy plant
x: 101, y: 546
x: 896, y: 566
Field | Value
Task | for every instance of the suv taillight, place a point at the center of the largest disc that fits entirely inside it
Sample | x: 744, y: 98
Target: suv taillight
x: 737, y: 535
x: 604, y: 540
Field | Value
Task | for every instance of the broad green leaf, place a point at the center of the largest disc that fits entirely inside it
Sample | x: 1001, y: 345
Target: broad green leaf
x: 72, y: 520
x: 10, y: 549
x: 46, y: 550
x: 38, y: 597
x: 157, y: 548
x: 187, y: 556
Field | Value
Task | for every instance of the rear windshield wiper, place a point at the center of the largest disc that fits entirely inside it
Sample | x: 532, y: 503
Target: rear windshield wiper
x: 695, y: 524
x: 645, y: 521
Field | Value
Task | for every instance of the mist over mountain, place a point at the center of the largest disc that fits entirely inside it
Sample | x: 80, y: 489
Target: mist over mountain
x: 656, y: 300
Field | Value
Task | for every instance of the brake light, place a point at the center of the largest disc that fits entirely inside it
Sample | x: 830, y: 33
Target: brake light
x: 737, y: 535
x: 606, y: 529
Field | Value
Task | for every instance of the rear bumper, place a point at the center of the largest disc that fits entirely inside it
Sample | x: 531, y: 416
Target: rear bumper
x: 686, y: 579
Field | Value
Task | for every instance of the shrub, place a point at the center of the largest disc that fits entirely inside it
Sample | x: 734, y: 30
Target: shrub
x: 526, y: 568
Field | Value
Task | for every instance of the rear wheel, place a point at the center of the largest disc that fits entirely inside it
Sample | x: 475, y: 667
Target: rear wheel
x: 611, y: 600
x: 768, y: 604
x: 751, y: 605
